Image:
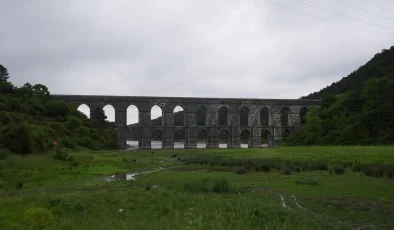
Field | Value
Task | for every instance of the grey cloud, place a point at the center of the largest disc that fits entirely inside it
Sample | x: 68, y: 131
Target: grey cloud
x: 232, y: 48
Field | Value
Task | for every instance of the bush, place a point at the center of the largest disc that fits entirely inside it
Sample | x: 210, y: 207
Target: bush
x: 174, y: 155
x: 308, y: 181
x: 208, y: 185
x: 240, y: 170
x: 286, y: 171
x: 339, y: 169
x: 221, y: 186
x: 60, y: 154
x: 2, y: 184
x: 4, y: 153
x: 19, y: 185
x: 39, y: 218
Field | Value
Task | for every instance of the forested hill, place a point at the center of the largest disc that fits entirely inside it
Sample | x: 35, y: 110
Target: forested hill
x: 357, y: 110
x: 381, y: 65
x: 31, y: 121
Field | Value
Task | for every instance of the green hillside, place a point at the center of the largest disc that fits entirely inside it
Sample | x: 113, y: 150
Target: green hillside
x: 32, y: 122
x: 359, y: 109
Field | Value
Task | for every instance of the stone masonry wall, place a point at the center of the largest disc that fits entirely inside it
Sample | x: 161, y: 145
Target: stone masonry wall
x: 190, y: 106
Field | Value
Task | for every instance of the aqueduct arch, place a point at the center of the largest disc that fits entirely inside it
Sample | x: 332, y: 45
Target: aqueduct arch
x: 257, y: 115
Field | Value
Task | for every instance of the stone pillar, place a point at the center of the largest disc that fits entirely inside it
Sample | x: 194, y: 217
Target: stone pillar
x: 213, y: 138
x: 120, y: 124
x: 277, y: 134
x: 213, y: 135
x: 191, y: 129
x: 145, y: 135
x: 256, y: 137
x: 168, y: 134
x: 234, y: 127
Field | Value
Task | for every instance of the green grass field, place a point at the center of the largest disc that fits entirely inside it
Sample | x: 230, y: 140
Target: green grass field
x: 201, y: 189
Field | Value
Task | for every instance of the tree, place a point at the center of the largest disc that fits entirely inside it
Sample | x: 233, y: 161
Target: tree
x: 98, y: 115
x: 3, y: 73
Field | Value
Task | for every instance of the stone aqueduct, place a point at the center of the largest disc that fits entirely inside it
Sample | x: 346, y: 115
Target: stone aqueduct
x: 254, y: 123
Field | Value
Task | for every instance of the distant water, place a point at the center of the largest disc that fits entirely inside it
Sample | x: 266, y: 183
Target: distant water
x: 181, y: 145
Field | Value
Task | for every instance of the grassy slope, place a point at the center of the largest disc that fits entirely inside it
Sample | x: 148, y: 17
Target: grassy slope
x: 78, y: 201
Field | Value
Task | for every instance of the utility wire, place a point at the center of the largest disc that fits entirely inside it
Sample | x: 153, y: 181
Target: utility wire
x: 366, y: 2
x: 350, y: 5
x: 341, y: 14
x: 324, y: 18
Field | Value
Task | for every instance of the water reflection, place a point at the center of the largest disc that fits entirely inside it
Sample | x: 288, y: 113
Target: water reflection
x: 181, y: 145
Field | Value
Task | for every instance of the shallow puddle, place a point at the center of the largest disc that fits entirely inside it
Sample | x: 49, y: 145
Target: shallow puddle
x: 128, y: 176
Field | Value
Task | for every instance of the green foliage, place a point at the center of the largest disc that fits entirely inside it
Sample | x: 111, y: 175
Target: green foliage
x: 258, y: 164
x: 208, y: 185
x: 240, y: 170
x: 3, y: 74
x: 60, y: 154
x: 39, y: 219
x: 307, y: 181
x: 31, y: 122
x: 355, y: 110
x: 4, y: 153
x: 339, y: 169
x: 375, y: 169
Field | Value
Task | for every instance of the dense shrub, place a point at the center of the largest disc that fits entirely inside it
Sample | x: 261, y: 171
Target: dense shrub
x: 308, y: 181
x: 339, y: 169
x: 39, y: 218
x: 31, y: 121
x: 375, y: 169
x: 240, y: 170
x: 286, y: 171
x: 257, y: 164
x: 61, y: 154
x: 208, y: 185
x: 4, y: 153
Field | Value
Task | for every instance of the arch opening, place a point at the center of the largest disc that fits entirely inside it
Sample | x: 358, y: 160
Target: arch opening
x: 264, y: 117
x: 244, y: 117
x: 223, y: 116
x: 179, y: 116
x: 109, y: 112
x: 224, y: 139
x: 132, y: 138
x: 201, y: 115
x: 132, y: 122
x: 132, y: 115
x: 84, y: 109
x: 266, y: 138
x: 156, y: 116
x: 303, y: 113
x: 202, y: 139
x: 245, y: 139
x: 285, y: 117
x: 179, y: 139
x: 157, y: 139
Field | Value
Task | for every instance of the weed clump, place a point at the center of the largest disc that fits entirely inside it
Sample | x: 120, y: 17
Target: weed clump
x: 257, y: 164
x: 375, y: 170
x: 39, y: 218
x: 61, y: 154
x: 286, y: 171
x: 208, y: 185
x: 339, y: 169
x: 4, y: 153
x: 307, y: 181
x: 240, y: 170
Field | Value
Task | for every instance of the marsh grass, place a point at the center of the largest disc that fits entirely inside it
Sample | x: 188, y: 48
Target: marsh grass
x: 201, y: 189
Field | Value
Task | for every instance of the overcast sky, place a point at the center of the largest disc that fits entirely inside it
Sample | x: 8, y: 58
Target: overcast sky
x: 199, y: 48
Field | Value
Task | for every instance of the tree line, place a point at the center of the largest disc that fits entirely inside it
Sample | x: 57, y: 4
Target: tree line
x: 31, y: 121
x: 357, y: 110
